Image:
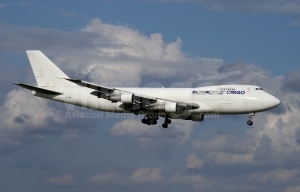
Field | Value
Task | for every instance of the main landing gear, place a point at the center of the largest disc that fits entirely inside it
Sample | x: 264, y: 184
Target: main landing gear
x: 166, y: 122
x: 151, y: 119
x: 250, y: 122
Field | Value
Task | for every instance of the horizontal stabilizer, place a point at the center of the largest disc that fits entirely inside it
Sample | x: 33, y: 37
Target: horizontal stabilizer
x: 38, y: 89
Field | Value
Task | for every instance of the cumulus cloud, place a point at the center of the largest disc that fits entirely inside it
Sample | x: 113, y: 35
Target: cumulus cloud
x: 21, y: 110
x: 146, y: 175
x: 23, y: 114
x: 70, y: 135
x: 61, y: 181
x: 277, y: 176
x: 130, y: 42
x: 291, y: 82
x: 193, y: 161
x: 154, y: 136
x: 292, y: 189
x: 198, y: 181
x: 142, y: 175
x: 123, y: 54
x: 109, y: 178
x: 25, y: 118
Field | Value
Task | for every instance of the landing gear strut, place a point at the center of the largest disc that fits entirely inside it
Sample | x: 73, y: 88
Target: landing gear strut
x: 250, y: 122
x: 166, y: 122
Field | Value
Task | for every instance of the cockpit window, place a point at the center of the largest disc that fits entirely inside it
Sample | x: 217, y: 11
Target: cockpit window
x: 259, y: 88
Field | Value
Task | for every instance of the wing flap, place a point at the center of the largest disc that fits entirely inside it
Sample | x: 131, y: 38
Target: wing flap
x: 99, y: 88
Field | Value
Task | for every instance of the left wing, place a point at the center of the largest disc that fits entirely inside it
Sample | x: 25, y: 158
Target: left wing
x: 126, y: 97
x: 38, y: 89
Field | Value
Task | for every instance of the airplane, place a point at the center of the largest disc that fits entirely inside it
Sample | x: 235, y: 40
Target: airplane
x: 168, y: 103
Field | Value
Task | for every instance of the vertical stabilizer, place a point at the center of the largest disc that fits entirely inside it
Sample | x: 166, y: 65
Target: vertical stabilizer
x: 45, y: 71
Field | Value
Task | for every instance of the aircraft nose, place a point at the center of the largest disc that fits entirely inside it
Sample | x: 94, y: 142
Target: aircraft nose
x: 269, y: 101
x: 276, y: 101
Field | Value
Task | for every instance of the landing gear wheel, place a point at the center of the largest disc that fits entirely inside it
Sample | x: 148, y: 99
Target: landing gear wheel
x: 148, y: 122
x: 249, y: 122
x: 144, y: 121
x: 164, y: 125
x: 152, y: 121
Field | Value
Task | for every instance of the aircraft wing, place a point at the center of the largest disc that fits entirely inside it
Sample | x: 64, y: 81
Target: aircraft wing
x: 38, y: 89
x: 103, y: 92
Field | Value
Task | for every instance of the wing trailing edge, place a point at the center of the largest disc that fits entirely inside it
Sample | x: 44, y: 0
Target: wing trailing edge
x: 38, y: 89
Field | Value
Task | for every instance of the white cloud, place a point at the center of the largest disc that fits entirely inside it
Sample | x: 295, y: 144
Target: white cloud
x: 21, y: 114
x: 292, y: 189
x: 198, y: 181
x: 21, y: 109
x: 278, y: 176
x: 193, y: 161
x: 133, y: 127
x: 223, y: 142
x: 109, y: 178
x: 130, y: 42
x: 154, y: 135
x: 61, y: 181
x: 147, y: 175
x: 141, y: 175
x: 70, y: 135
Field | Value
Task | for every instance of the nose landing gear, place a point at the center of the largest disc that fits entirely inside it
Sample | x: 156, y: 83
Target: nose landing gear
x: 250, y: 122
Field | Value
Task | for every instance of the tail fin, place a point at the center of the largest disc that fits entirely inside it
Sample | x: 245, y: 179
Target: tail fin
x: 45, y: 71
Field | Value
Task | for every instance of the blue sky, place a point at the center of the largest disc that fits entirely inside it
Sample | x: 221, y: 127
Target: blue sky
x: 153, y: 43
x: 230, y: 34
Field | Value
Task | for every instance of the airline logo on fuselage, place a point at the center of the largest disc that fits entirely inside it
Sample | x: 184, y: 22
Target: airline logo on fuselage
x: 214, y: 92
x: 205, y: 92
x: 236, y: 92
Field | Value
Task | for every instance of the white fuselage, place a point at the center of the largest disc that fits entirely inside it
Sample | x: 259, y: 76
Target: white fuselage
x: 223, y: 99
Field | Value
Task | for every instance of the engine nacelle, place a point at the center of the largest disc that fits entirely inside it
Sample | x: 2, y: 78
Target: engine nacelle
x: 115, y: 98
x: 127, y: 98
x: 197, y: 117
x: 171, y: 107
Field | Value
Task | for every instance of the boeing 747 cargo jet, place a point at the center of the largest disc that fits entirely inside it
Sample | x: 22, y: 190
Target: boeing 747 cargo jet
x: 169, y: 103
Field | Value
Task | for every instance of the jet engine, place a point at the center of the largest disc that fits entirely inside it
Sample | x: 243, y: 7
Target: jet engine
x: 127, y: 98
x: 171, y: 107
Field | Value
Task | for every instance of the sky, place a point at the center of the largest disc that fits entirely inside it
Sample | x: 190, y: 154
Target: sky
x: 46, y: 146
